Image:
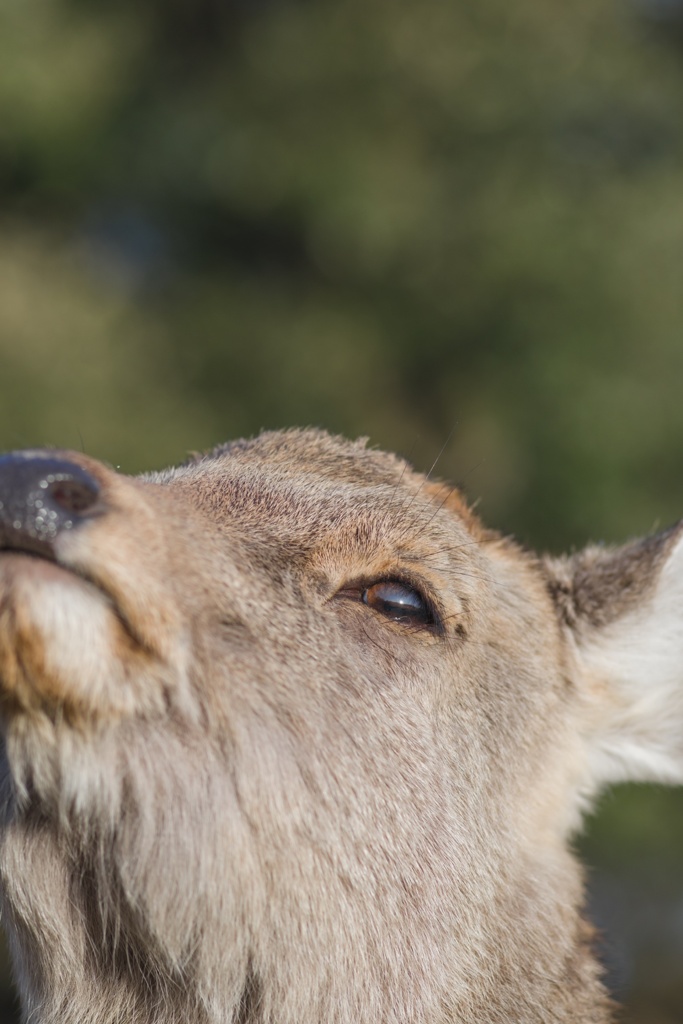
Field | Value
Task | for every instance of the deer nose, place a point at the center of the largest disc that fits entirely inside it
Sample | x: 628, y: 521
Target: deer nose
x: 41, y: 496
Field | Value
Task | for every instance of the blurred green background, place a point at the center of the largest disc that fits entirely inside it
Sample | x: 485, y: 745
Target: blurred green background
x: 429, y: 222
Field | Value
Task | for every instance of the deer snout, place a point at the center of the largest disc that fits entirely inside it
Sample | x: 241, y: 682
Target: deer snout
x: 90, y: 629
x: 41, y: 496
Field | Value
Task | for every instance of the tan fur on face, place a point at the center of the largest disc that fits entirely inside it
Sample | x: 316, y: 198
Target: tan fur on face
x: 236, y: 792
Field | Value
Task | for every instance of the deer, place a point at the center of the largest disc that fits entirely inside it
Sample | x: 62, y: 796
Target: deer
x: 290, y: 737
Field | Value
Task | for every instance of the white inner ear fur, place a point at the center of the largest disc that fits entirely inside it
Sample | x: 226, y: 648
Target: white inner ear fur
x: 634, y: 671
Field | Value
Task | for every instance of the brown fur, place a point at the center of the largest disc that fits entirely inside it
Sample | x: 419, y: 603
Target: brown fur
x: 235, y: 792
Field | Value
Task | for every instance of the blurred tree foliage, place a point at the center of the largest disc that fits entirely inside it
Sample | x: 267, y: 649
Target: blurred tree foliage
x: 425, y: 221
x: 407, y: 220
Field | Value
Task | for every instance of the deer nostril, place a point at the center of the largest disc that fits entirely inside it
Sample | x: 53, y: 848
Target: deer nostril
x: 42, y: 495
x: 72, y: 495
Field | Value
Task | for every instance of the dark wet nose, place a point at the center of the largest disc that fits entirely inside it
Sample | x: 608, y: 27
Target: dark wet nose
x: 40, y: 497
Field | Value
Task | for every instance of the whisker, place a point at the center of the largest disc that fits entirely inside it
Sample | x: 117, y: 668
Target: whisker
x: 441, y: 451
x: 427, y: 475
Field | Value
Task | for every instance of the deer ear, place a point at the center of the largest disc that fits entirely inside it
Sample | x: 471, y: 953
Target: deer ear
x: 624, y: 610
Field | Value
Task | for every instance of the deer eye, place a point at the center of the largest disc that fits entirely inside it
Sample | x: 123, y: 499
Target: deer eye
x: 400, y: 602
